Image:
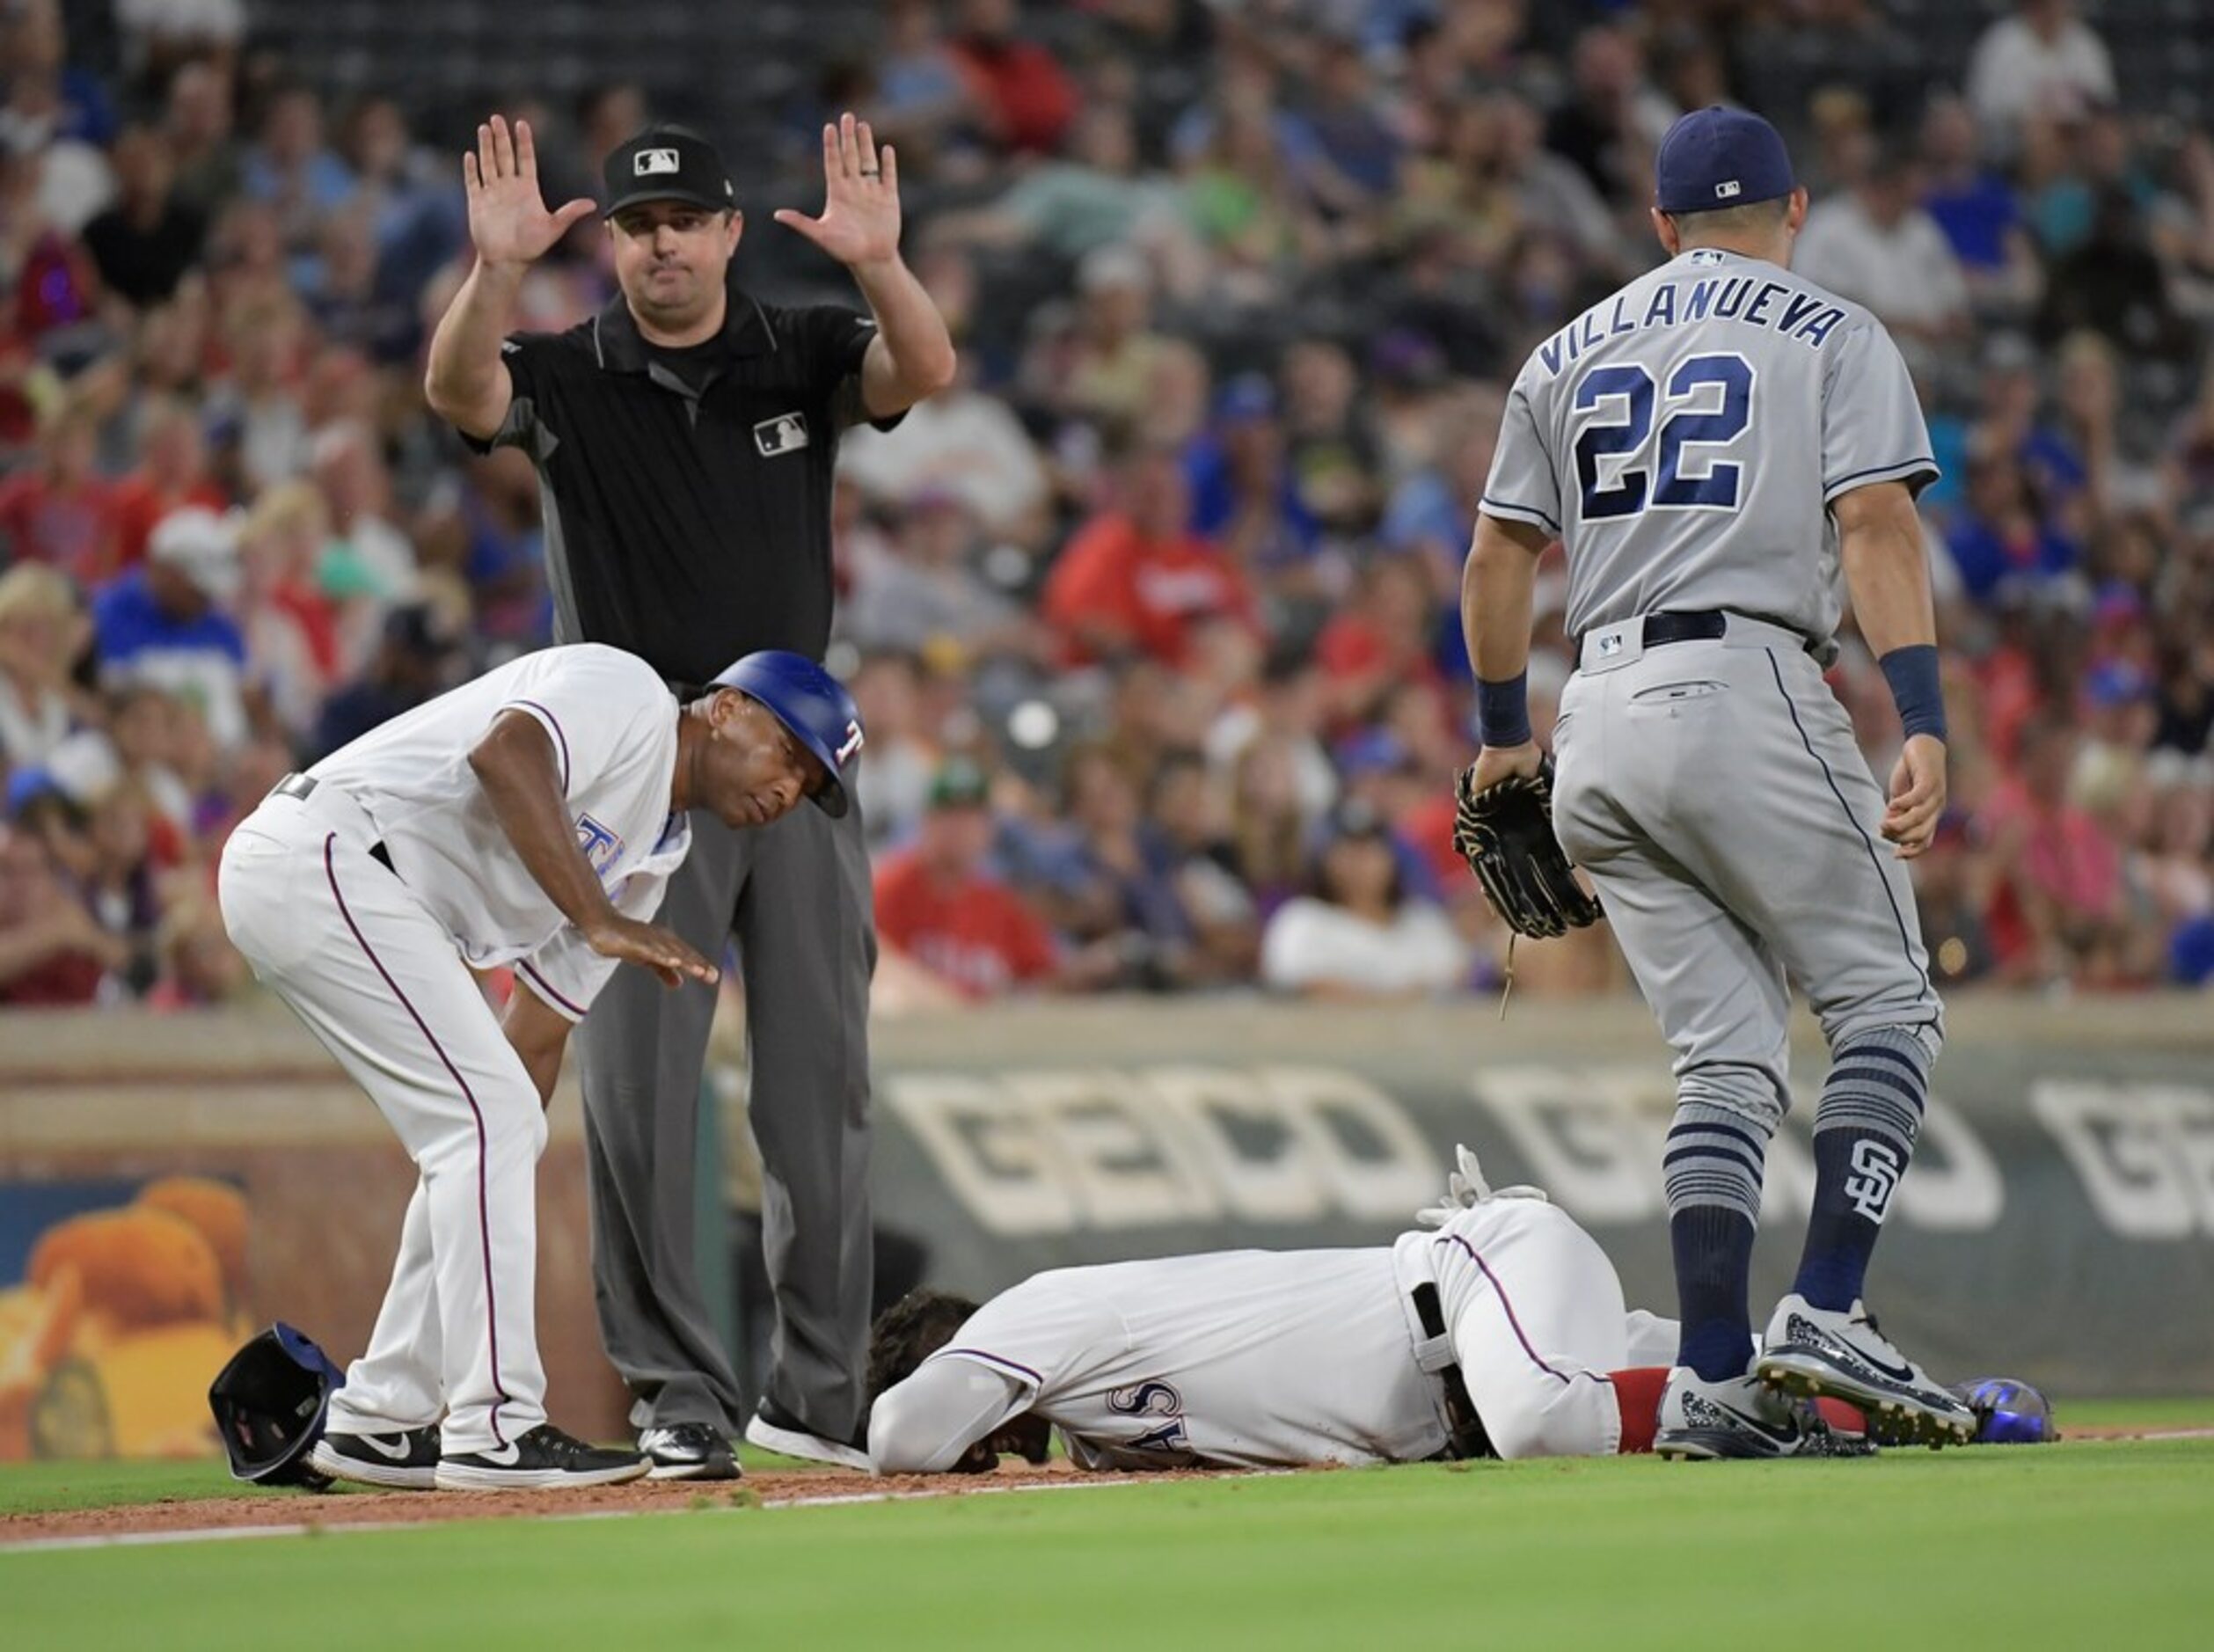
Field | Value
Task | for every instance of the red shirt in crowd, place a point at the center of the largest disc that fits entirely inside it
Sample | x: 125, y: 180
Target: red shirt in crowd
x: 72, y: 531
x: 1150, y: 591
x: 1027, y: 99
x: 140, y: 505
x: 2065, y: 857
x: 976, y: 935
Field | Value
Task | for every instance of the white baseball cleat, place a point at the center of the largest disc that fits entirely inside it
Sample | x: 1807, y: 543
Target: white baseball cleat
x: 1741, y: 1417
x: 1841, y: 1355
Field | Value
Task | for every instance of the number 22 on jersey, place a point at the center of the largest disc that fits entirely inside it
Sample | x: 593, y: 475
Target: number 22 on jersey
x: 1707, y: 406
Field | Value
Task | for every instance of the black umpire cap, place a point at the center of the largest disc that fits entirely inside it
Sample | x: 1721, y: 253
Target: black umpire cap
x: 667, y: 163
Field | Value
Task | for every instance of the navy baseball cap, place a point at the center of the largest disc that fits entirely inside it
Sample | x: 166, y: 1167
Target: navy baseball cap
x: 667, y: 163
x: 1714, y: 158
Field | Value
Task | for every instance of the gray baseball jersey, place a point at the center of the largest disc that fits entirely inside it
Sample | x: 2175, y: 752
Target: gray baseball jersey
x: 1686, y: 436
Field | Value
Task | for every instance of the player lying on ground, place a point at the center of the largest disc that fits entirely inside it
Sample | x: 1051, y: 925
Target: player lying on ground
x: 1503, y: 1331
x: 532, y: 817
x: 1500, y: 1332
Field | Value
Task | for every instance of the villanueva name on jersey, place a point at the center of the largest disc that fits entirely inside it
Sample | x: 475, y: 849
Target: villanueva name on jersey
x: 1774, y: 304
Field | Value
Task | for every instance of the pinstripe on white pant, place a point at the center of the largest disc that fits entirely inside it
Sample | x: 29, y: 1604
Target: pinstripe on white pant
x: 340, y: 938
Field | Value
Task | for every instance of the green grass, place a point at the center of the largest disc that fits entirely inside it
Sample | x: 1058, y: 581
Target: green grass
x: 2093, y: 1544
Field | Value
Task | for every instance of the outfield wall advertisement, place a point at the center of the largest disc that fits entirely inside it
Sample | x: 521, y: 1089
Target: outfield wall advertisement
x: 2057, y: 1223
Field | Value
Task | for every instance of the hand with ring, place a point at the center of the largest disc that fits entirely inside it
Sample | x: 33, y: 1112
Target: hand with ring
x: 859, y: 224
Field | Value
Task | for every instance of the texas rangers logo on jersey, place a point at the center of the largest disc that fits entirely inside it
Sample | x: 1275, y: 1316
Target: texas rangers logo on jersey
x: 786, y: 433
x: 1152, y: 1398
x: 601, y: 847
x: 850, y: 744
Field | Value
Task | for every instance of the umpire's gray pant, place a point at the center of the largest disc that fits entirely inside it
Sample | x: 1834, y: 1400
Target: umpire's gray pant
x: 797, y: 896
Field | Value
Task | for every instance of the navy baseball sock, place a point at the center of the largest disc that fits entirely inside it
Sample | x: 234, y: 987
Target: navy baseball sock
x: 1712, y: 1170
x: 1713, y: 1251
x: 1865, y: 1129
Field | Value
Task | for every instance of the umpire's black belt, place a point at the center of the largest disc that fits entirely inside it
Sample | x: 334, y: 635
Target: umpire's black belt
x: 302, y: 787
x: 1466, y: 1436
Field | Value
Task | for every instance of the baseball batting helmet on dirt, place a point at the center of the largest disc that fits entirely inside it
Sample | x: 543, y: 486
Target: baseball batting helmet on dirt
x: 270, y: 1402
x: 812, y: 705
x: 2008, y: 1412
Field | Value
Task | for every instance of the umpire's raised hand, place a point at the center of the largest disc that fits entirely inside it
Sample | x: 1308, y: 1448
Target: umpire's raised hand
x: 509, y: 222
x: 860, y: 225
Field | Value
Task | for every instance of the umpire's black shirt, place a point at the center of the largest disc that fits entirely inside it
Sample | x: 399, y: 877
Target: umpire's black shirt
x: 687, y: 491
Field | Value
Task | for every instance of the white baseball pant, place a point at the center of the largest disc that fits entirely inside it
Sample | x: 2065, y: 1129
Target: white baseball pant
x: 341, y: 939
x: 1534, y: 1312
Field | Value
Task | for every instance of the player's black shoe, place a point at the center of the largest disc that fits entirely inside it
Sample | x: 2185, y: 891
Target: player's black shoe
x: 404, y: 1460
x: 544, y: 1458
x: 688, y: 1451
x: 1812, y: 1350
x: 1743, y: 1418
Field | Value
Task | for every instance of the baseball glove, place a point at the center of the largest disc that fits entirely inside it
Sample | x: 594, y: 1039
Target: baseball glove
x: 1505, y: 834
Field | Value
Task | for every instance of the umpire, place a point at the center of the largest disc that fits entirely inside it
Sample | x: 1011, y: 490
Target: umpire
x: 684, y: 438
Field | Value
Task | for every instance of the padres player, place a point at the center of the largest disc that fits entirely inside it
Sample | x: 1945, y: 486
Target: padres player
x: 1502, y: 1332
x: 1715, y: 445
x: 532, y: 817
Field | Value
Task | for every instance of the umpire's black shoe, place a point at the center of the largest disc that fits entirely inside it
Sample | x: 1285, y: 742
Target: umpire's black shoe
x: 542, y: 1459
x: 773, y: 1428
x: 688, y: 1451
x: 406, y: 1460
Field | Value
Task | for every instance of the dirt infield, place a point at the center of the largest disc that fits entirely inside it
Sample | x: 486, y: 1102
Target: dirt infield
x: 353, y: 1507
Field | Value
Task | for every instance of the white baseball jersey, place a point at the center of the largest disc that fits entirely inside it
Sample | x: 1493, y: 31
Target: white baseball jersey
x: 613, y: 725
x: 370, y: 955
x: 1686, y: 436
x: 1258, y: 1358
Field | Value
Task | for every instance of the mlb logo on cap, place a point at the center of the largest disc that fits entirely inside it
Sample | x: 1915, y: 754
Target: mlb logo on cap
x: 1715, y: 157
x: 666, y: 163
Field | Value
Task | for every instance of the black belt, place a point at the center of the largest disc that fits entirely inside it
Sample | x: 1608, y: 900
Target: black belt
x: 1466, y: 1436
x: 1702, y: 625
x: 302, y: 786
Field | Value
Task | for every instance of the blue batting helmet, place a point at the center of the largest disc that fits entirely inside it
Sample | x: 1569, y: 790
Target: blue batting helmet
x: 270, y: 1402
x: 2008, y: 1412
x: 812, y: 705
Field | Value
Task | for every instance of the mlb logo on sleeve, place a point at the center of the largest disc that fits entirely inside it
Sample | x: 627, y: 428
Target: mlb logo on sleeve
x: 786, y: 433
x: 653, y: 163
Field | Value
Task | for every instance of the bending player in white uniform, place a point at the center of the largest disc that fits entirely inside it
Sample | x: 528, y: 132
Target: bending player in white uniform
x: 530, y: 818
x: 1714, y: 444
x: 1502, y: 1332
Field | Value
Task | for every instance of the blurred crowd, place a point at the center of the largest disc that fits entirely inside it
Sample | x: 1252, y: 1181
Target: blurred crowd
x: 1152, y: 616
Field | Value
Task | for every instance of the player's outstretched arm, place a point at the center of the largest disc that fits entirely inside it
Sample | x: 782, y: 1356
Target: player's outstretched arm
x: 933, y: 1422
x: 1879, y: 545
x: 516, y: 765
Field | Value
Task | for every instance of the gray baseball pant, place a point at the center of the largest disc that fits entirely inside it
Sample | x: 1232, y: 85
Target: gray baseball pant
x: 797, y: 896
